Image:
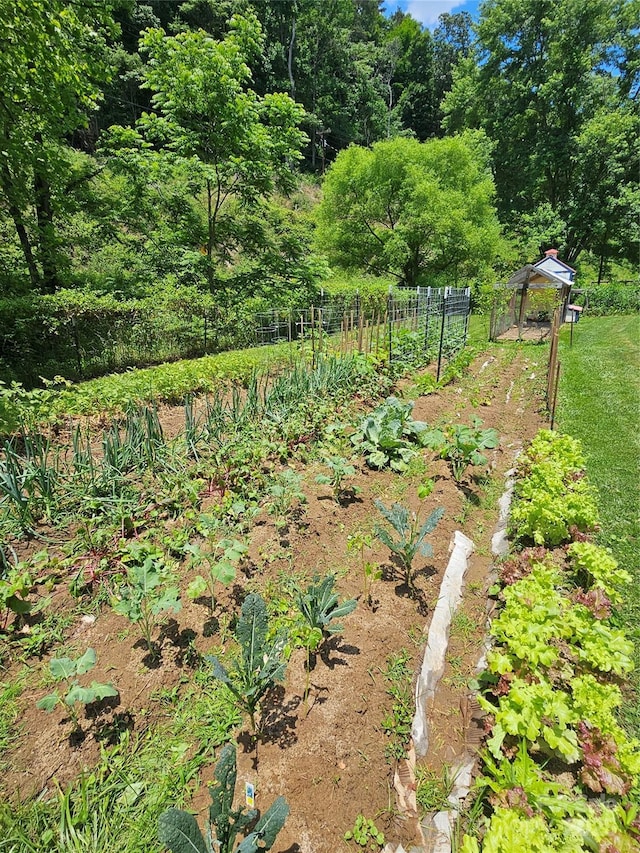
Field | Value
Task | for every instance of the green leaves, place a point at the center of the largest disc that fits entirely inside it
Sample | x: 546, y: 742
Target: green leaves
x: 261, y: 663
x: 403, y: 207
x: 222, y: 562
x: 179, y: 830
x: 319, y: 605
x: 67, y: 669
x: 552, y: 497
x: 461, y: 445
x: 388, y: 436
x: 144, y: 596
x: 411, y: 534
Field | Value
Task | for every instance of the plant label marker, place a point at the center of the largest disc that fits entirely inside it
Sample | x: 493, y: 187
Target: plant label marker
x: 249, y: 795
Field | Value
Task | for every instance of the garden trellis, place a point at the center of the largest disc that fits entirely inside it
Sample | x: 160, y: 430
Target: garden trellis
x: 417, y: 326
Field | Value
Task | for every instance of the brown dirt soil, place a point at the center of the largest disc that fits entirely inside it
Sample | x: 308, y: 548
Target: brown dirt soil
x: 325, y: 755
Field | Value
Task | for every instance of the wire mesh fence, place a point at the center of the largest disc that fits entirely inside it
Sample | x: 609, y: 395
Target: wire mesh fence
x: 418, y: 326
x: 408, y: 327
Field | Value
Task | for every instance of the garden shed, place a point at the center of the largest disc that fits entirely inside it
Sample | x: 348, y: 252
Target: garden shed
x: 524, y: 306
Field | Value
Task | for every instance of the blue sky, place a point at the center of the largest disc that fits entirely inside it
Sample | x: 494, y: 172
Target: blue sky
x: 427, y: 11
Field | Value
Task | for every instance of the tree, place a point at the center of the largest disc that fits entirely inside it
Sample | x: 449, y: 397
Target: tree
x: 412, y: 79
x: 233, y: 145
x: 549, y: 78
x: 52, y: 63
x: 415, y: 210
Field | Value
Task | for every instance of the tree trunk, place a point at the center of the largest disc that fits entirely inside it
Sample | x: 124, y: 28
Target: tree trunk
x: 46, y: 235
x: 211, y: 236
x: 21, y: 230
x: 292, y: 82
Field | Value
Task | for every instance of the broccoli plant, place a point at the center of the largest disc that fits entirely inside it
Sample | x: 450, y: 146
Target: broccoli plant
x: 461, y: 445
x: 144, y: 597
x: 411, y: 534
x: 221, y: 562
x: 179, y: 830
x: 66, y: 671
x: 261, y: 663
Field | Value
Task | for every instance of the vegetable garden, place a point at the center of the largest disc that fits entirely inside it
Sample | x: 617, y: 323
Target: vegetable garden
x: 235, y: 591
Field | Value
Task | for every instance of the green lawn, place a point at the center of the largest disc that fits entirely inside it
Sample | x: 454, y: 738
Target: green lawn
x: 599, y: 403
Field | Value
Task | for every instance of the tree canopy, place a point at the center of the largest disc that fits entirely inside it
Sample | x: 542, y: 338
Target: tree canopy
x: 421, y: 211
x: 554, y: 86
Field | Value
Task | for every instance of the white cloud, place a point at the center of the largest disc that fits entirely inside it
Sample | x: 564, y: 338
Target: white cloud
x: 428, y: 11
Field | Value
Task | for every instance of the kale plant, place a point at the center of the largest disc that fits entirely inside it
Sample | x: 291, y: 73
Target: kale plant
x: 411, y: 534
x: 261, y: 663
x: 179, y: 830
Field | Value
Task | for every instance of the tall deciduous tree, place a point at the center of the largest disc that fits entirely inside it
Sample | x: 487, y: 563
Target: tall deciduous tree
x: 235, y: 146
x: 553, y: 87
x: 420, y: 211
x: 52, y: 63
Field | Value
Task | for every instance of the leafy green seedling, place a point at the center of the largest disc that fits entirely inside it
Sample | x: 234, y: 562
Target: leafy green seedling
x: 286, y: 493
x: 261, y: 664
x: 66, y: 670
x: 340, y: 470
x: 222, y: 563
x: 15, y: 586
x: 144, y: 597
x: 365, y: 834
x: 180, y: 832
x: 411, y: 534
x: 319, y: 607
x: 461, y: 445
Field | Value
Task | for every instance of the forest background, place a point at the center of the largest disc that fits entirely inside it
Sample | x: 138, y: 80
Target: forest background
x: 208, y: 159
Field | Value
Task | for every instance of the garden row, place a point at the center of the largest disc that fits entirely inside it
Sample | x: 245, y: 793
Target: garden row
x: 129, y: 503
x: 559, y: 772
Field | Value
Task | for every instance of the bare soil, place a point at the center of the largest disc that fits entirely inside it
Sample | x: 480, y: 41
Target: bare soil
x: 326, y: 755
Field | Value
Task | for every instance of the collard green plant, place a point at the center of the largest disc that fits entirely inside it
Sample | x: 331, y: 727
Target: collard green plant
x: 145, y: 597
x: 261, y: 663
x: 462, y: 445
x: 388, y: 436
x: 66, y: 670
x: 411, y: 532
x: 179, y: 830
x: 222, y: 563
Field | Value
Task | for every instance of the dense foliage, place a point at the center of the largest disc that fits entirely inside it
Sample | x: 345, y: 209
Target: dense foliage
x: 148, y: 147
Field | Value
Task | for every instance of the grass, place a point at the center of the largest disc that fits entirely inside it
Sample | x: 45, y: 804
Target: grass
x: 115, y: 807
x: 599, y: 403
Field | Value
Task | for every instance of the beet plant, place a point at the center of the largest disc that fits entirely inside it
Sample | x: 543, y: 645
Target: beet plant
x: 179, y: 830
